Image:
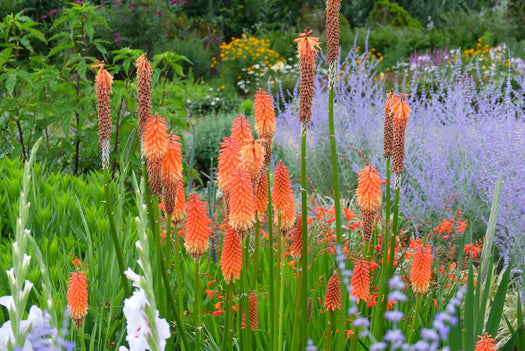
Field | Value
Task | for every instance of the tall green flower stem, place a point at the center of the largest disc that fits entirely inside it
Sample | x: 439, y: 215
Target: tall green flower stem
x: 177, y: 255
x: 415, y: 321
x: 227, y: 336
x: 165, y: 278
x: 333, y: 151
x: 378, y: 321
x: 256, y: 253
x: 295, y: 334
x: 82, y: 341
x: 246, y: 332
x: 271, y: 310
x: 280, y: 268
x: 197, y: 310
x: 330, y: 331
x: 304, y: 253
x: 113, y: 231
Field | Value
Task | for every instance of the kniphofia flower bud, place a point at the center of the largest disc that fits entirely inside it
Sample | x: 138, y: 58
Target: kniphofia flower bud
x: 242, y: 206
x: 486, y: 343
x: 197, y: 227
x: 297, y: 238
x: 77, y: 297
x: 231, y: 256
x: 368, y: 197
x: 389, y: 124
x: 281, y: 189
x: 264, y: 115
x: 253, y: 304
x: 155, y: 147
x: 307, y: 49
x: 332, y: 297
x: 229, y: 159
x: 103, y: 82
x: 171, y: 172
x: 401, y: 115
x: 332, y: 30
x: 361, y: 280
x: 144, y: 73
x: 421, y: 270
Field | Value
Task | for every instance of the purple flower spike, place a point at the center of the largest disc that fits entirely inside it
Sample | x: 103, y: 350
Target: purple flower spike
x: 52, y: 12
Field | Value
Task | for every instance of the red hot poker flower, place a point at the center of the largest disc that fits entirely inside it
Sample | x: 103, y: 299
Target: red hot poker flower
x: 197, y: 228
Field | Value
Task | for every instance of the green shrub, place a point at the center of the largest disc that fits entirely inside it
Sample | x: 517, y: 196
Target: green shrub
x: 388, y: 13
x: 209, y: 132
x: 194, y: 50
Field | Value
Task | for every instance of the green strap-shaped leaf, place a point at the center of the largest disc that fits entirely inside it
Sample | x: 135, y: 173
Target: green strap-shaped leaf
x: 497, y: 307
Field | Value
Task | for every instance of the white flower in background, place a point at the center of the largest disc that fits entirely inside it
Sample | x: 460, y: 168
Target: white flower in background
x: 138, y: 326
x: 34, y: 319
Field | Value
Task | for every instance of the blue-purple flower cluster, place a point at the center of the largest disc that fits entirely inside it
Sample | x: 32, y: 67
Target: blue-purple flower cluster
x: 462, y: 135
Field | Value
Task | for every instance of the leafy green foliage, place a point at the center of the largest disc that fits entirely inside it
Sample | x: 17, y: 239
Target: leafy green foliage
x: 386, y: 12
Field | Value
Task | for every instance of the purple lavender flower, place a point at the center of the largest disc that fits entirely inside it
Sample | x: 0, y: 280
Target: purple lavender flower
x: 378, y: 346
x: 362, y: 322
x: 52, y: 12
x: 462, y: 135
x: 396, y: 283
x: 395, y: 337
x: 421, y: 346
x: 397, y: 295
x: 439, y: 324
x: 394, y: 316
x: 429, y: 334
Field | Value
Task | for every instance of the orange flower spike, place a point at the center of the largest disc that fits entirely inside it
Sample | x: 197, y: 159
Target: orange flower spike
x: 261, y: 196
x: 171, y: 172
x: 264, y: 115
x: 368, y: 197
x: 486, y: 343
x: 421, y: 270
x: 332, y: 298
x: 281, y: 189
x: 252, y: 155
x: 307, y: 49
x: 197, y: 227
x: 144, y: 73
x: 389, y: 124
x: 332, y: 30
x: 401, y: 115
x: 154, y: 148
x: 242, y: 204
x: 229, y: 159
x: 253, y: 304
x: 242, y: 130
x: 155, y: 138
x: 369, y: 189
x: 297, y: 238
x: 361, y: 280
x: 103, y: 82
x: 231, y: 257
x: 77, y: 297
